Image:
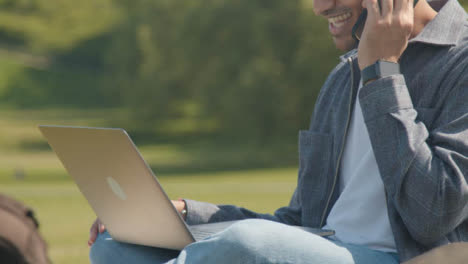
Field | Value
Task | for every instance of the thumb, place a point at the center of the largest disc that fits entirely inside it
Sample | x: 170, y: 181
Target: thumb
x: 102, y: 228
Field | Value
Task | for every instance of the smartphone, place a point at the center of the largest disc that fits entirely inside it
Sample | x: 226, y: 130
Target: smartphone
x: 362, y: 20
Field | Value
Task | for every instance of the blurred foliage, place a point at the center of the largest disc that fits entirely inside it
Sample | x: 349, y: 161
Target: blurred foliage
x: 58, y: 45
x: 244, y: 69
x: 48, y: 26
x: 253, y: 68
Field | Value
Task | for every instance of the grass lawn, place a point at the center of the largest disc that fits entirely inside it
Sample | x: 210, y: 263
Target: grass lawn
x: 66, y: 217
x: 64, y: 213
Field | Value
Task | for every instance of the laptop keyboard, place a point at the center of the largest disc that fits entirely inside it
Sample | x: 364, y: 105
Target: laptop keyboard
x: 200, y: 232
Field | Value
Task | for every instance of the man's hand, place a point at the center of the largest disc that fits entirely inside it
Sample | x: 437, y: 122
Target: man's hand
x: 180, y: 206
x: 385, y: 35
x: 98, y: 227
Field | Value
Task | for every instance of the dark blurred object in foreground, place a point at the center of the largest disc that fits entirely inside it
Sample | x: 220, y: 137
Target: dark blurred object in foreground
x: 20, y: 240
x: 9, y: 253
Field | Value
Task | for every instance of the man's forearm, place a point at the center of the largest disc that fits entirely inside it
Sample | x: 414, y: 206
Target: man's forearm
x: 424, y: 177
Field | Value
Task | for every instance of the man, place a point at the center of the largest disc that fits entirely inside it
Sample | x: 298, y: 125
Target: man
x: 384, y: 162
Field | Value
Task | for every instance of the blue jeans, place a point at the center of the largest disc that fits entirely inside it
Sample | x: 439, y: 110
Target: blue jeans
x: 249, y: 241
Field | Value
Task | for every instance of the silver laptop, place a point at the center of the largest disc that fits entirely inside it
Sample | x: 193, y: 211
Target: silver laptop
x: 123, y: 191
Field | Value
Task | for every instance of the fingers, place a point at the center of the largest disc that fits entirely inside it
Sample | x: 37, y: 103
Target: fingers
x: 102, y: 228
x: 93, y: 232
x: 402, y: 5
x: 96, y: 228
x: 379, y: 8
x: 372, y: 9
x: 386, y: 7
x: 399, y: 5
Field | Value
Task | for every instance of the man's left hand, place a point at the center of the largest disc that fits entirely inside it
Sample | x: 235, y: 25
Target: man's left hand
x: 386, y: 33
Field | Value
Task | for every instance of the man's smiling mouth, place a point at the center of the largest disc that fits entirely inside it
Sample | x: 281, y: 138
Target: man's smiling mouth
x: 339, y: 20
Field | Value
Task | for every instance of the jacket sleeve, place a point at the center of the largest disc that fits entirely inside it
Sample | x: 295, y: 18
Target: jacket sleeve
x: 201, y: 212
x: 424, y: 172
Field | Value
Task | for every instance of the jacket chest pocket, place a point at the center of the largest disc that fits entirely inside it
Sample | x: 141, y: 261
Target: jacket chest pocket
x: 314, y: 170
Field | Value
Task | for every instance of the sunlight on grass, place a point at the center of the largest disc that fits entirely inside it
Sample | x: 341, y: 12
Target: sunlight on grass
x: 22, y: 146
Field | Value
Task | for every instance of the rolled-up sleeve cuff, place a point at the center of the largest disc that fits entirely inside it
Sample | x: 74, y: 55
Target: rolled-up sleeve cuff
x: 384, y: 96
x: 199, y: 212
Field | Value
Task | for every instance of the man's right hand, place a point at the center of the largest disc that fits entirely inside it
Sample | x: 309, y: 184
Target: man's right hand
x: 96, y: 228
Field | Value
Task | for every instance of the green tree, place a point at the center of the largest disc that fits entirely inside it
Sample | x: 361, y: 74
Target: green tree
x: 254, y: 67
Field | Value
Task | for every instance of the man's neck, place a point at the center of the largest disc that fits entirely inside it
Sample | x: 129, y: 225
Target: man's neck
x: 423, y: 14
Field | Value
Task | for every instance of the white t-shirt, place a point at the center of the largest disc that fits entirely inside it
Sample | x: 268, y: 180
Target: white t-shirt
x: 360, y: 216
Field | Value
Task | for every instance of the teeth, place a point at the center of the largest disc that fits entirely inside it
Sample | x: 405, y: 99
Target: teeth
x: 339, y: 20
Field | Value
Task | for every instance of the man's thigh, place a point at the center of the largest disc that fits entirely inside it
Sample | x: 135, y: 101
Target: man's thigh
x: 106, y: 250
x: 261, y: 241
x: 249, y: 241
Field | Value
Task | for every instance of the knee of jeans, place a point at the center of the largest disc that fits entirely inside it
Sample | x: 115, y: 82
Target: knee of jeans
x: 249, y: 234
x: 256, y: 226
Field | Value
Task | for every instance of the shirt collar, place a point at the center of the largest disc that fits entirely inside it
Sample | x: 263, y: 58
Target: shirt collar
x: 446, y: 28
x: 349, y: 54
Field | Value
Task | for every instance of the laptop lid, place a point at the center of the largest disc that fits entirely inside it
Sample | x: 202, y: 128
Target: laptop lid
x: 119, y: 185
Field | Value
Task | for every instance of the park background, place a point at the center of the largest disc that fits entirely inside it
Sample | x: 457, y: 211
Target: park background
x: 213, y: 92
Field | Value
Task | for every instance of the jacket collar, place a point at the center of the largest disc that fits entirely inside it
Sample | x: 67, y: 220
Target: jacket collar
x: 350, y: 54
x: 447, y: 27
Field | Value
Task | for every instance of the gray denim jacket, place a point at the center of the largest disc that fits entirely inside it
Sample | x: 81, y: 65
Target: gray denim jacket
x: 418, y: 126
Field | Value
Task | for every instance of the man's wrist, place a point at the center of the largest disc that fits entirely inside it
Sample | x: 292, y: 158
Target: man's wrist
x: 378, y: 70
x: 183, y: 210
x: 364, y: 63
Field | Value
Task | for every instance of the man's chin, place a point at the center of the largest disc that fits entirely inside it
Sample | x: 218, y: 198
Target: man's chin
x: 344, y: 44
